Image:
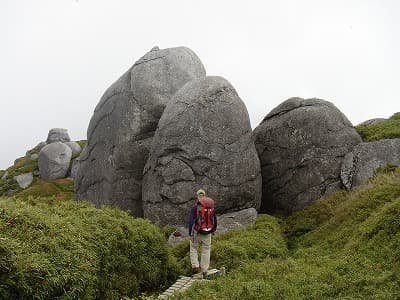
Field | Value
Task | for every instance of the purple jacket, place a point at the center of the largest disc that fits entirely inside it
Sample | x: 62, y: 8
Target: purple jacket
x: 192, y: 219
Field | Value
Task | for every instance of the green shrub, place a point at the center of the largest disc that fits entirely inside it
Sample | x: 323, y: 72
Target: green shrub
x: 388, y: 129
x: 51, y: 249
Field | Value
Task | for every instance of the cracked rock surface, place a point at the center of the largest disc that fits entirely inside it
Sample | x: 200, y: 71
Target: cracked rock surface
x: 203, y: 140
x: 123, y: 124
x: 359, y: 165
x: 301, y: 144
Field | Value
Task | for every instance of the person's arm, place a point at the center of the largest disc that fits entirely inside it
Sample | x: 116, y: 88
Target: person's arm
x: 192, y: 219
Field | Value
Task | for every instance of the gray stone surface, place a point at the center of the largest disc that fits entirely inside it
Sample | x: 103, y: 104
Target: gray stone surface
x: 24, y: 180
x: 373, y: 121
x: 203, y: 140
x: 123, y: 124
x: 34, y: 156
x: 226, y: 222
x: 5, y: 175
x: 359, y: 165
x: 54, y: 160
x: 75, y: 167
x: 75, y: 148
x: 301, y: 144
x: 58, y: 135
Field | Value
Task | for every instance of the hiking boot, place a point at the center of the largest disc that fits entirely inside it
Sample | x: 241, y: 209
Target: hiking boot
x: 195, y: 271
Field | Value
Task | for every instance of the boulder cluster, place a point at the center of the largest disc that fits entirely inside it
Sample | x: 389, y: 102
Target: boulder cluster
x: 57, y: 154
x: 164, y: 129
x: 56, y: 158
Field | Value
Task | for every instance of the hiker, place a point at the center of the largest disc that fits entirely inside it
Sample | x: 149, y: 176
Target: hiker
x: 202, y: 223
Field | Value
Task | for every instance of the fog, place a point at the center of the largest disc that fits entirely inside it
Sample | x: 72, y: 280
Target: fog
x: 58, y: 57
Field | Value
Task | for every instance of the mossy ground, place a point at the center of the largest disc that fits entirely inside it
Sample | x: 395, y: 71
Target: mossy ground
x: 346, y: 246
x: 388, y: 129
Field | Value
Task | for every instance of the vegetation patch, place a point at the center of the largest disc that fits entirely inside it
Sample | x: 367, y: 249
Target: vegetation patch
x: 234, y: 248
x: 64, y: 249
x: 388, y: 129
x: 59, y: 189
x: 82, y: 143
x: 346, y: 246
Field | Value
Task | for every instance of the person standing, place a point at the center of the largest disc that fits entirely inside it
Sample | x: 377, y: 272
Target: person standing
x: 202, y: 223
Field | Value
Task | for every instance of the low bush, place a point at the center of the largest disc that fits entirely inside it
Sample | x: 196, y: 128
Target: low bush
x: 63, y: 249
x: 388, y: 129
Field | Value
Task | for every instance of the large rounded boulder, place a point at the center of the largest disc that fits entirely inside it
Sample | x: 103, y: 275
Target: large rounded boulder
x: 301, y: 145
x: 203, y: 140
x: 123, y: 124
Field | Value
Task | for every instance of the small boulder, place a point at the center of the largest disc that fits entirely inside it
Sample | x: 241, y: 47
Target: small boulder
x: 75, y: 147
x: 359, y: 165
x: 5, y: 175
x: 58, y: 135
x: 24, y: 180
x: 54, y: 160
x: 34, y: 156
x: 301, y: 144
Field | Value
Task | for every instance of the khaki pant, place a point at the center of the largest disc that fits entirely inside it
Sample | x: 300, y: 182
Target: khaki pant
x: 203, y: 240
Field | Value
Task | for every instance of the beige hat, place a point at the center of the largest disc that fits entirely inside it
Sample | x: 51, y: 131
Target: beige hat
x: 201, y: 191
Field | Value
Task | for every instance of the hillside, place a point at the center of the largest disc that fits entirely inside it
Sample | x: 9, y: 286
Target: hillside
x: 346, y: 246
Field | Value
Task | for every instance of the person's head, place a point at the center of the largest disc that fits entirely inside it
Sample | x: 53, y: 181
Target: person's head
x: 200, y: 194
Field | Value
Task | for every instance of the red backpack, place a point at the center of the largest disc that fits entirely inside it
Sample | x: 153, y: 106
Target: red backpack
x: 204, y: 222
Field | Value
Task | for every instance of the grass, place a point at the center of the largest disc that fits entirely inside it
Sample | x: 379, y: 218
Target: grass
x: 59, y: 189
x: 388, y: 129
x: 346, y: 246
x: 236, y: 247
x: 64, y: 249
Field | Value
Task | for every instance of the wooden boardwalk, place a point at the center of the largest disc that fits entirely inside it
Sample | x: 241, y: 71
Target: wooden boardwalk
x: 184, y: 282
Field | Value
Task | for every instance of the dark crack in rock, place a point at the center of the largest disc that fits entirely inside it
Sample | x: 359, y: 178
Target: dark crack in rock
x: 123, y: 124
x: 359, y: 165
x: 301, y: 144
x: 203, y: 140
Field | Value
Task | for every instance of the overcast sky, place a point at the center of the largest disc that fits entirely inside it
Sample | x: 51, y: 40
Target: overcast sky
x: 57, y: 57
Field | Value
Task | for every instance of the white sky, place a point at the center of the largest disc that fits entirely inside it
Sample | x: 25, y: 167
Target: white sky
x: 57, y: 57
